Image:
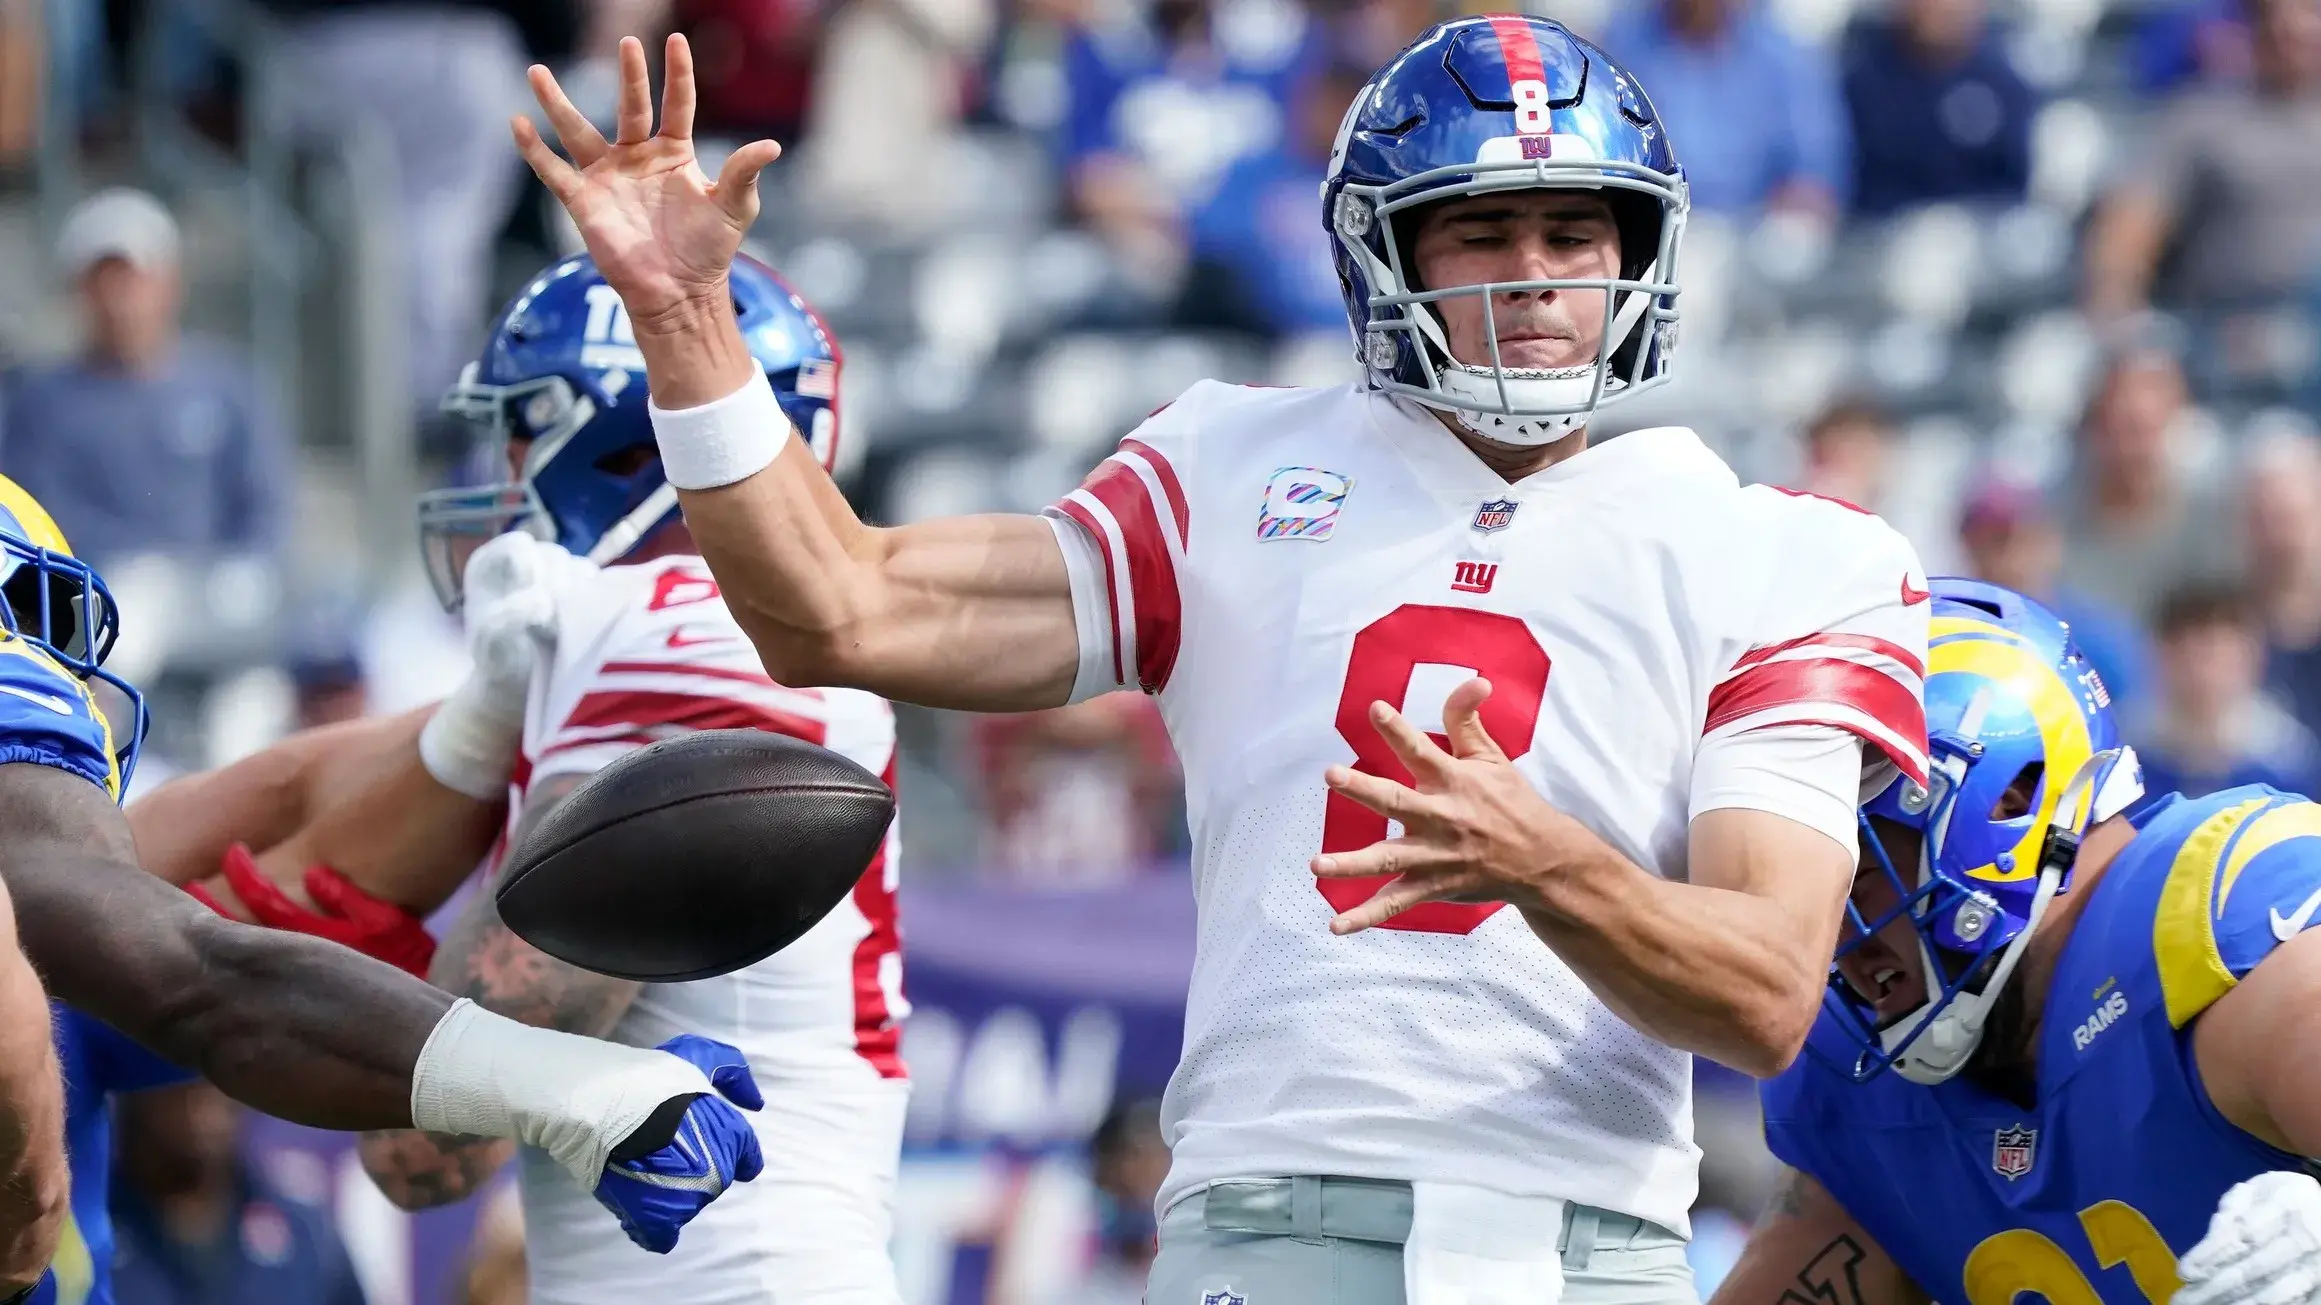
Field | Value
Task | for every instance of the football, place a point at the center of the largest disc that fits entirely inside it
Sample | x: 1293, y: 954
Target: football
x: 696, y: 856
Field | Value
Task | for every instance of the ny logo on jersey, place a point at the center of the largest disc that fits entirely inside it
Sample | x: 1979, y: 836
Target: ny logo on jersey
x: 2012, y: 1150
x: 1473, y: 577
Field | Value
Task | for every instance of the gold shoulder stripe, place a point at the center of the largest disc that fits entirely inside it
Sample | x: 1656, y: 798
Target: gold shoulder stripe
x: 2192, y: 972
x: 2267, y: 831
x: 13, y: 646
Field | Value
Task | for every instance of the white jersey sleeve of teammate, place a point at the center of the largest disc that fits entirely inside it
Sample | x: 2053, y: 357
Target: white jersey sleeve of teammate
x: 1820, y: 708
x: 1124, y: 533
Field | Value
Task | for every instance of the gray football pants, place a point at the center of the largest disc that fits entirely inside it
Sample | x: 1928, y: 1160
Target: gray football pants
x: 1338, y: 1241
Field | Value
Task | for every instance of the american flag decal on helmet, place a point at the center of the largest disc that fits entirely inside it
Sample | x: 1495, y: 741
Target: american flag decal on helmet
x: 817, y: 379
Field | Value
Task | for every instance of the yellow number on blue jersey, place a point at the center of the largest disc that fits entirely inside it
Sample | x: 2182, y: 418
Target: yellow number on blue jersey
x: 49, y: 718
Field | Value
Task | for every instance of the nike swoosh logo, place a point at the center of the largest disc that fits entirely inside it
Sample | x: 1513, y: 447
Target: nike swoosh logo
x: 2295, y: 924
x: 679, y: 639
x: 1912, y: 597
x: 55, y: 704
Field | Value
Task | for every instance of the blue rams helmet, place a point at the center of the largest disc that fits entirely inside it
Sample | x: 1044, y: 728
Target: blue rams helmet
x: 2024, y: 760
x: 1498, y: 103
x: 561, y: 373
x: 58, y: 604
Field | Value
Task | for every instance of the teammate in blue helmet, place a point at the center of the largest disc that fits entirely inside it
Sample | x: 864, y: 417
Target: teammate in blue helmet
x: 2073, y: 1035
x: 560, y: 392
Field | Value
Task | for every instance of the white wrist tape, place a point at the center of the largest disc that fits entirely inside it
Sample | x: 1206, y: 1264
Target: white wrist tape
x: 720, y: 442
x: 470, y: 743
x: 573, y: 1097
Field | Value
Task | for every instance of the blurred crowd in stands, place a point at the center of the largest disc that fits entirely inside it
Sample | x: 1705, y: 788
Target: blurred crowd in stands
x: 2039, y: 280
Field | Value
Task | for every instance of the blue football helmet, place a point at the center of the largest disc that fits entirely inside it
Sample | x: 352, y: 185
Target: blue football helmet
x: 561, y: 372
x: 2024, y: 760
x: 1497, y: 103
x: 58, y: 604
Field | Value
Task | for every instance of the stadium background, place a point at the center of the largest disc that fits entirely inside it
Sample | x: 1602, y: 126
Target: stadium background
x: 2039, y: 280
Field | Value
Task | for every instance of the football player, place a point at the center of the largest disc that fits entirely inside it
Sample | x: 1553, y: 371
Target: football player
x: 1607, y: 686
x: 2073, y: 1035
x: 301, y: 1030
x: 641, y: 649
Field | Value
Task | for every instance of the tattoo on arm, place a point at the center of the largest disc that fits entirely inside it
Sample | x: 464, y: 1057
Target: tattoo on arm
x: 1831, y: 1277
x: 484, y: 961
x: 418, y: 1170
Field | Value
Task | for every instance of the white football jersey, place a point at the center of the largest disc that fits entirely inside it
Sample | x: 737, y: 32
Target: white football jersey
x: 1270, y: 562
x: 644, y: 652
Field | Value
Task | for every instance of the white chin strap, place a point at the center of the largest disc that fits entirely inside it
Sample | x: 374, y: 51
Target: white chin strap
x: 1951, y: 1036
x: 631, y: 530
x: 1530, y: 388
x: 1567, y: 392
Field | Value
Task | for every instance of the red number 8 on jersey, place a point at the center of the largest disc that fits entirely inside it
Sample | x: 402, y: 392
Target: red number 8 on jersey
x: 1498, y: 647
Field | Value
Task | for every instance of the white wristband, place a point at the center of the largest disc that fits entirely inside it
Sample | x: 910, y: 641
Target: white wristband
x: 470, y: 743
x: 576, y: 1098
x: 720, y: 442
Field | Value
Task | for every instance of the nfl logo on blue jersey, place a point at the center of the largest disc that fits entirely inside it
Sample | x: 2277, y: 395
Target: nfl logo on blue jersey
x: 2011, y: 1151
x: 1494, y: 515
x: 1223, y: 1296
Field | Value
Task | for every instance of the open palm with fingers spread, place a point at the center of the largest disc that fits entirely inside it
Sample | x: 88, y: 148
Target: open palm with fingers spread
x: 1474, y: 830
x: 660, y: 230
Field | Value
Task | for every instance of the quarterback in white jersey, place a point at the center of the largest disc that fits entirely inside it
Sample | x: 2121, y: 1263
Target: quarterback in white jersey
x: 576, y: 666
x: 1426, y: 654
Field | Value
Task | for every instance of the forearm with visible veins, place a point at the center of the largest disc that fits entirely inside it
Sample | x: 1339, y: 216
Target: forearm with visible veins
x: 1709, y: 970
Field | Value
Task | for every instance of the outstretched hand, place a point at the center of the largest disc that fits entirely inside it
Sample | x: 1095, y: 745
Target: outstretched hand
x: 1473, y: 829
x: 661, y: 232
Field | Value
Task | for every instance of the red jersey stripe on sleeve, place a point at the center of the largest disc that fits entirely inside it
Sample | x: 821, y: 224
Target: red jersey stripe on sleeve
x: 695, y: 668
x: 1078, y: 511
x: 1171, y: 487
x: 1869, y: 643
x: 878, y: 1024
x: 1804, y: 691
x: 1152, y: 573
x: 687, y: 711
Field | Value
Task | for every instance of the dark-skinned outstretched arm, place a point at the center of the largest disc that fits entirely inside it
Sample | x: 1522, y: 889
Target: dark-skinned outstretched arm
x: 1809, y: 1251
x: 299, y: 1028
x: 481, y: 959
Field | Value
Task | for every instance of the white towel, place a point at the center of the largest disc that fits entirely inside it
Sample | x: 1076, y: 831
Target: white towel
x: 1474, y: 1246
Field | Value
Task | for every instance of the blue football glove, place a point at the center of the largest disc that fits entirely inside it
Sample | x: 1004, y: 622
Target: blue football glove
x: 675, y: 1164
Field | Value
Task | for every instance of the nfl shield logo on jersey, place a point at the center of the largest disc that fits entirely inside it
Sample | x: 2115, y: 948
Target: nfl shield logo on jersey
x: 1302, y: 503
x: 1494, y: 515
x: 1223, y: 1296
x: 2011, y: 1151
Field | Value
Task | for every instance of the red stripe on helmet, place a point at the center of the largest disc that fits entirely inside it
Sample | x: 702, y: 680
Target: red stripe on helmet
x: 1519, y: 48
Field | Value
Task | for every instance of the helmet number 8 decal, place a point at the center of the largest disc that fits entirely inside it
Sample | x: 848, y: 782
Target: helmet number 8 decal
x: 1498, y: 647
x: 1531, y: 105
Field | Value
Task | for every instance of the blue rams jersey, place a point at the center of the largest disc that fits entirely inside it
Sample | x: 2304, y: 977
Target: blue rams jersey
x: 49, y: 718
x: 2091, y: 1195
x: 97, y: 1063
